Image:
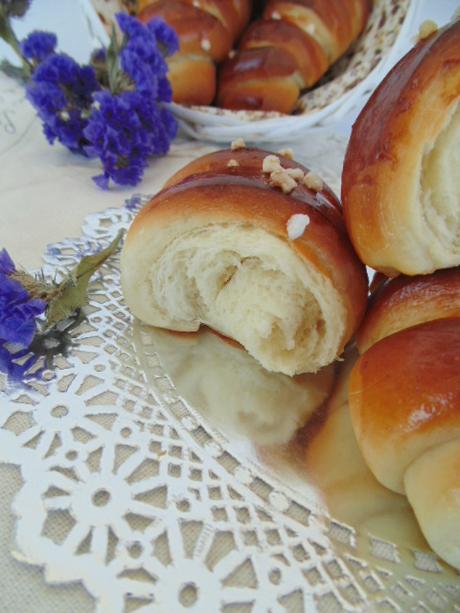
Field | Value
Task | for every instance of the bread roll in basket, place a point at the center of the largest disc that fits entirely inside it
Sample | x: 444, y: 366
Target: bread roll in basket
x: 254, y: 246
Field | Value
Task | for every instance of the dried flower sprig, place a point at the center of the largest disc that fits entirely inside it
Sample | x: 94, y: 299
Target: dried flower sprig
x: 31, y: 308
x: 112, y: 108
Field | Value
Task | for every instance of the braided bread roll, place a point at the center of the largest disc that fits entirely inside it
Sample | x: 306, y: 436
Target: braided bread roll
x: 407, y: 301
x: 289, y: 50
x: 207, y: 30
x: 224, y: 245
x: 400, y: 182
x: 404, y: 397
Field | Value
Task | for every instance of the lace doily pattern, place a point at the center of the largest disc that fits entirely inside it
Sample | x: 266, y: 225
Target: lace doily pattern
x: 127, y: 490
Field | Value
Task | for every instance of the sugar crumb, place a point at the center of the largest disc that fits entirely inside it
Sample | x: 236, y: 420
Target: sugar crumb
x: 287, y: 153
x: 206, y: 44
x: 238, y: 143
x: 296, y: 225
x: 232, y: 163
x: 313, y: 181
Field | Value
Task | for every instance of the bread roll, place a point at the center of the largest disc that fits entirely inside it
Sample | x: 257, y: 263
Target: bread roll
x: 404, y: 397
x: 206, y: 30
x: 406, y: 301
x: 400, y: 183
x: 287, y: 51
x: 223, y: 245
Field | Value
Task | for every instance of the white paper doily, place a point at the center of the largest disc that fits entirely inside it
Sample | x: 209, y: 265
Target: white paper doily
x: 128, y: 492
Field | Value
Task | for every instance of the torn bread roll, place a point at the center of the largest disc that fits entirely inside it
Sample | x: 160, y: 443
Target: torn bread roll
x: 400, y: 182
x: 214, y: 248
x: 407, y: 301
x: 404, y: 397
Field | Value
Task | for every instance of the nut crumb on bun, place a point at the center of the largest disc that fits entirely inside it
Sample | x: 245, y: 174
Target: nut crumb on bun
x: 313, y: 181
x: 280, y: 178
x: 238, y: 143
x: 287, y: 153
x: 271, y: 163
x: 426, y: 29
x: 232, y: 163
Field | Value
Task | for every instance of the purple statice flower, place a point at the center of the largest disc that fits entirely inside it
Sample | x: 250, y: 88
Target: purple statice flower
x: 165, y: 36
x: 61, y: 91
x: 18, y: 321
x: 124, y: 131
x: 38, y: 45
x: 18, y: 311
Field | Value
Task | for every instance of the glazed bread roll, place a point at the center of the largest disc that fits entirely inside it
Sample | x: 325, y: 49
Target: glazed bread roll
x: 404, y: 397
x: 406, y: 301
x: 224, y: 245
x: 400, y: 182
x: 206, y: 30
x: 287, y: 51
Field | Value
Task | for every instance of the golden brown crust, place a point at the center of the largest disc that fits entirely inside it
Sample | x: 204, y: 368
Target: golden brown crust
x: 401, y: 119
x: 407, y: 301
x: 287, y: 51
x: 265, y: 79
x: 208, y: 187
x: 404, y: 396
x: 308, y: 54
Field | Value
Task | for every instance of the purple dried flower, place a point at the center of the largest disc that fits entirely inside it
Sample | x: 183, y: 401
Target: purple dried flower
x: 38, y: 45
x: 124, y: 131
x: 18, y: 311
x: 61, y: 92
x: 165, y: 35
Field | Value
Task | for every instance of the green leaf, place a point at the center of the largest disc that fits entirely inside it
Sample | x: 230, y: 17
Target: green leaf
x: 71, y: 292
x: 15, y: 72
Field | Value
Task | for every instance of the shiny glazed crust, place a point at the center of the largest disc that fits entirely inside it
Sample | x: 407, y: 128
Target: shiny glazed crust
x: 238, y: 196
x: 407, y: 301
x: 399, y: 187
x: 287, y: 51
x: 404, y: 397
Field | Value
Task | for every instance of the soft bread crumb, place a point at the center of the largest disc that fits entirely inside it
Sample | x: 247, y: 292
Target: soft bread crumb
x: 271, y: 163
x: 280, y: 178
x: 287, y: 153
x: 232, y: 163
x: 426, y: 28
x: 296, y: 173
x: 206, y: 44
x: 238, y: 143
x: 313, y: 181
x: 296, y: 225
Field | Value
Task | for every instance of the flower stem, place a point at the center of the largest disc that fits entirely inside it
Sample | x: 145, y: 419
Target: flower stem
x: 8, y: 35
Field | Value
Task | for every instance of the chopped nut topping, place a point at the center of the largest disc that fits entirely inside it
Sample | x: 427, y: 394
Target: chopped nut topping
x: 287, y: 153
x: 296, y: 173
x: 238, y: 143
x: 311, y: 29
x: 296, y: 225
x: 313, y: 182
x: 271, y: 163
x: 426, y: 28
x: 279, y: 178
x: 275, y: 15
x: 206, y: 44
x: 232, y: 53
x: 232, y: 163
